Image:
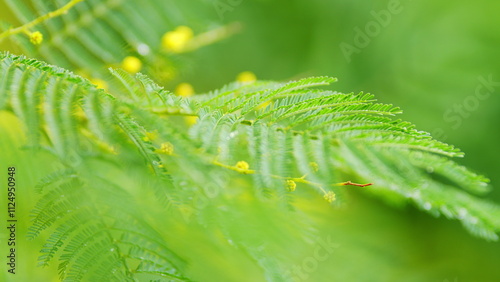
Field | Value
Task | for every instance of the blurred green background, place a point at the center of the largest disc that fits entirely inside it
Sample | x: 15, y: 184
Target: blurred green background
x: 428, y: 58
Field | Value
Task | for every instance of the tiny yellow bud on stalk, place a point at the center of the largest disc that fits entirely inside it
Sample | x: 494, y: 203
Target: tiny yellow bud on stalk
x: 242, y: 166
x: 36, y: 37
x: 132, y: 64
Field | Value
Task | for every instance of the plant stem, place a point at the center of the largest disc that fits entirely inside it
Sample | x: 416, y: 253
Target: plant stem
x: 353, y: 184
x: 296, y: 179
x: 25, y: 28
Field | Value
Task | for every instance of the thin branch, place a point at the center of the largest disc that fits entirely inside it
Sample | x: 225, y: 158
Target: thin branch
x: 353, y: 184
x: 25, y: 28
x: 296, y: 179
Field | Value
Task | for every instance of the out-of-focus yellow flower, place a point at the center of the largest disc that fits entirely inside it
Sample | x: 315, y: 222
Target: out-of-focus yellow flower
x: 246, y: 77
x: 36, y: 37
x: 290, y: 185
x: 242, y: 166
x: 166, y: 148
x: 132, y: 64
x: 184, y: 90
x: 314, y: 166
x: 330, y: 196
x: 178, y: 39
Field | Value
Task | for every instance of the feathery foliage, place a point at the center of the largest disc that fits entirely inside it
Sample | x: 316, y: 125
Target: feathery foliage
x: 133, y: 164
x: 95, y: 33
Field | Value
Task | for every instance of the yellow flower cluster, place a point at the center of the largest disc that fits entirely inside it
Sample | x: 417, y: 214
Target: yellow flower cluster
x: 243, y: 167
x: 166, y: 148
x: 131, y: 64
x: 314, y: 166
x: 330, y: 196
x: 184, y: 90
x: 177, y: 40
x: 36, y: 37
x: 246, y: 77
x: 291, y: 185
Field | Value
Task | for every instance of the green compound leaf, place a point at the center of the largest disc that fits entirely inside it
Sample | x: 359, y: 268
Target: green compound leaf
x: 122, y: 187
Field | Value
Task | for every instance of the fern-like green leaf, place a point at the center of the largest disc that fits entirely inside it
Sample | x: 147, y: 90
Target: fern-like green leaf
x: 82, y: 38
x: 132, y: 167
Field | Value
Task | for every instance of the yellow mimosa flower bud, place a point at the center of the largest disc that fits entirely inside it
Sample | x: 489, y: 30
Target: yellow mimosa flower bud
x: 132, y: 64
x: 178, y: 39
x: 36, y: 37
x: 184, y: 90
x: 246, y: 77
x: 290, y: 185
x: 330, y: 196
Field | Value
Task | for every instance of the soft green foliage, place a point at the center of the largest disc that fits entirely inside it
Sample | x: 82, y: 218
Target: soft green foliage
x: 117, y: 196
x: 94, y: 33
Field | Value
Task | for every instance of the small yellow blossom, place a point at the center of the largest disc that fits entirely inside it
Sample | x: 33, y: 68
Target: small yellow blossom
x: 131, y: 64
x: 314, y: 166
x: 242, y: 166
x: 166, y: 148
x: 178, y: 39
x: 184, y: 90
x: 36, y: 37
x: 330, y: 196
x: 246, y: 77
x: 290, y: 185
